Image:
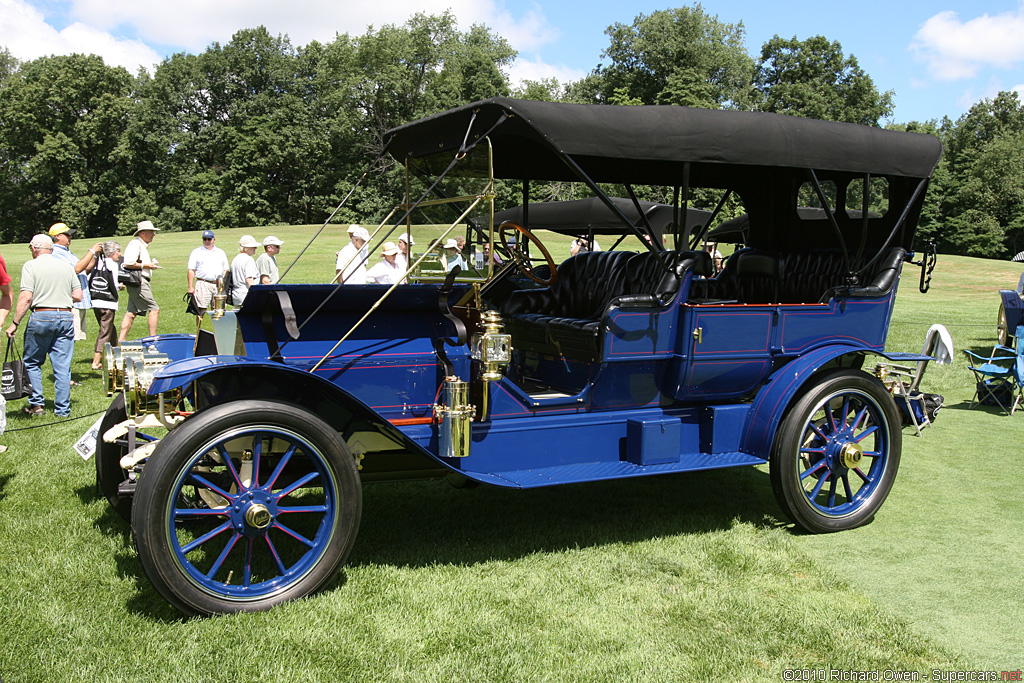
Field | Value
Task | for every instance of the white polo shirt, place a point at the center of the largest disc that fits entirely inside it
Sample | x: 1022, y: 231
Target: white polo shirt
x: 208, y: 264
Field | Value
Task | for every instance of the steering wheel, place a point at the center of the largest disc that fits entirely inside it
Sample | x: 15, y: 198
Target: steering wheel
x: 521, y: 259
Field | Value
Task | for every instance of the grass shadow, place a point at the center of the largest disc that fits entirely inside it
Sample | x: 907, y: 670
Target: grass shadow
x: 424, y: 523
x: 3, y: 484
x: 418, y: 524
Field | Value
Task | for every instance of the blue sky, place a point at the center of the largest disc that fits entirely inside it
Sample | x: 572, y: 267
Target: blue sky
x: 939, y: 56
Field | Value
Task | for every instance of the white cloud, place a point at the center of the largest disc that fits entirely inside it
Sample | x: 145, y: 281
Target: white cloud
x: 194, y: 24
x: 28, y: 36
x: 527, y: 34
x: 537, y: 70
x: 191, y: 25
x: 987, y: 90
x: 955, y: 50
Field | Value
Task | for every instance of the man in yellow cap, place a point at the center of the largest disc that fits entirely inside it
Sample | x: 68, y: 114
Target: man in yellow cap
x: 61, y: 235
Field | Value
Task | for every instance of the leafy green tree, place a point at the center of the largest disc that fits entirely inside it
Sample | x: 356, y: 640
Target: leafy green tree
x: 63, y: 118
x: 679, y: 56
x: 230, y: 137
x: 982, y: 179
x: 392, y: 75
x: 814, y: 79
x: 8, y: 65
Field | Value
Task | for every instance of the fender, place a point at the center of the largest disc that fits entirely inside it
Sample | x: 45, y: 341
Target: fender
x: 1013, y: 307
x: 244, y: 377
x: 176, y: 345
x: 771, y: 402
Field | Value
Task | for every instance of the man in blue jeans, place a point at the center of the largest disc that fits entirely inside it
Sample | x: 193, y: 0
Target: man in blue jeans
x: 48, y: 287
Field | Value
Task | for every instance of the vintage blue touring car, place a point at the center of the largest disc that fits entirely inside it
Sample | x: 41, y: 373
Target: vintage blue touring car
x: 239, y: 453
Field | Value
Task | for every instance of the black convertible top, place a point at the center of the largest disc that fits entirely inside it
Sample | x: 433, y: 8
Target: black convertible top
x: 649, y: 144
x: 580, y: 216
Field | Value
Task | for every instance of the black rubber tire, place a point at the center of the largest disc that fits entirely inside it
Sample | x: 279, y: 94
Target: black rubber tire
x: 802, y: 430
x: 156, y: 515
x: 109, y: 474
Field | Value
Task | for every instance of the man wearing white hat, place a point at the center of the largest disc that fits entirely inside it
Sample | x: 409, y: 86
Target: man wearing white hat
x: 403, y: 258
x: 244, y: 273
x: 387, y: 272
x: 452, y: 257
x: 267, y: 262
x: 140, y: 296
x: 350, y: 268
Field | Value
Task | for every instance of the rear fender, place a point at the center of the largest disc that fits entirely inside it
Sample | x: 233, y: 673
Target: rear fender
x: 220, y: 379
x: 1013, y: 306
x: 788, y: 382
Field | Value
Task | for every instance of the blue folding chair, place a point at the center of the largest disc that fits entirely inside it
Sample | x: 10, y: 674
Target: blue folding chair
x: 999, y: 379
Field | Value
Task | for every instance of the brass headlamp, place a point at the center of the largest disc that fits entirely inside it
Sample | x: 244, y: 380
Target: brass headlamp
x: 492, y: 348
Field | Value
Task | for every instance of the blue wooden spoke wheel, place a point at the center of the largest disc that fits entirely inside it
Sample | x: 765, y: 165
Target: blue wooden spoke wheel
x: 244, y: 506
x: 837, y: 452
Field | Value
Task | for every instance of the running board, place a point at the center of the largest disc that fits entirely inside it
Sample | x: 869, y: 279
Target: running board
x: 597, y: 471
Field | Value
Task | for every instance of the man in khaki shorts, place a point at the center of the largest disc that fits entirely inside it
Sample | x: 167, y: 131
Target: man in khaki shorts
x: 206, y: 265
x: 140, y: 297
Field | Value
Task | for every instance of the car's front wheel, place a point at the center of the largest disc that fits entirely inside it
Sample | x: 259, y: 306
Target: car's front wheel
x: 837, y: 452
x: 244, y: 506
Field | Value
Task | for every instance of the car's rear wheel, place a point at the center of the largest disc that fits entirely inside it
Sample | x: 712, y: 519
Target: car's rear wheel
x: 837, y: 452
x: 1002, y: 332
x: 244, y: 506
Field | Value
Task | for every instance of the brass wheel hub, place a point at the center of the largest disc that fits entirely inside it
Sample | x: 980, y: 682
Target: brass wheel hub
x: 258, y: 516
x: 851, y: 455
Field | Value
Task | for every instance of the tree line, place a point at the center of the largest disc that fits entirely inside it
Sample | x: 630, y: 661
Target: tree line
x: 260, y: 132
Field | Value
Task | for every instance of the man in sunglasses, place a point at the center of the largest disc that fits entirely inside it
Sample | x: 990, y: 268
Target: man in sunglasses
x: 206, y: 265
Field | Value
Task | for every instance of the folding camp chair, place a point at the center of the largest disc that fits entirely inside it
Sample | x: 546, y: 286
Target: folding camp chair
x: 999, y: 379
x: 904, y: 381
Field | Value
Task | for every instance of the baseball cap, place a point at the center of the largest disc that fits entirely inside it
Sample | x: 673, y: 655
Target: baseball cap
x: 208, y: 234
x: 248, y: 241
x: 60, y: 229
x: 271, y: 240
x: 41, y: 242
x: 360, y: 232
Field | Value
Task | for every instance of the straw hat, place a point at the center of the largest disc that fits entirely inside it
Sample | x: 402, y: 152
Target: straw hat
x: 145, y: 225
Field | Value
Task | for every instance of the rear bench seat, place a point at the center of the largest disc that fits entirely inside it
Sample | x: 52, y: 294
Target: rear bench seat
x: 757, y: 276
x: 566, y: 318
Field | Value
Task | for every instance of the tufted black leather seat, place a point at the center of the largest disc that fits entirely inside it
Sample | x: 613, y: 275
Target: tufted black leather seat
x: 566, y: 318
x: 756, y: 276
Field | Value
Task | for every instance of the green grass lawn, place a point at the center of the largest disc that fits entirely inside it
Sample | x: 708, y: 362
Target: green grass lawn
x: 676, y: 578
